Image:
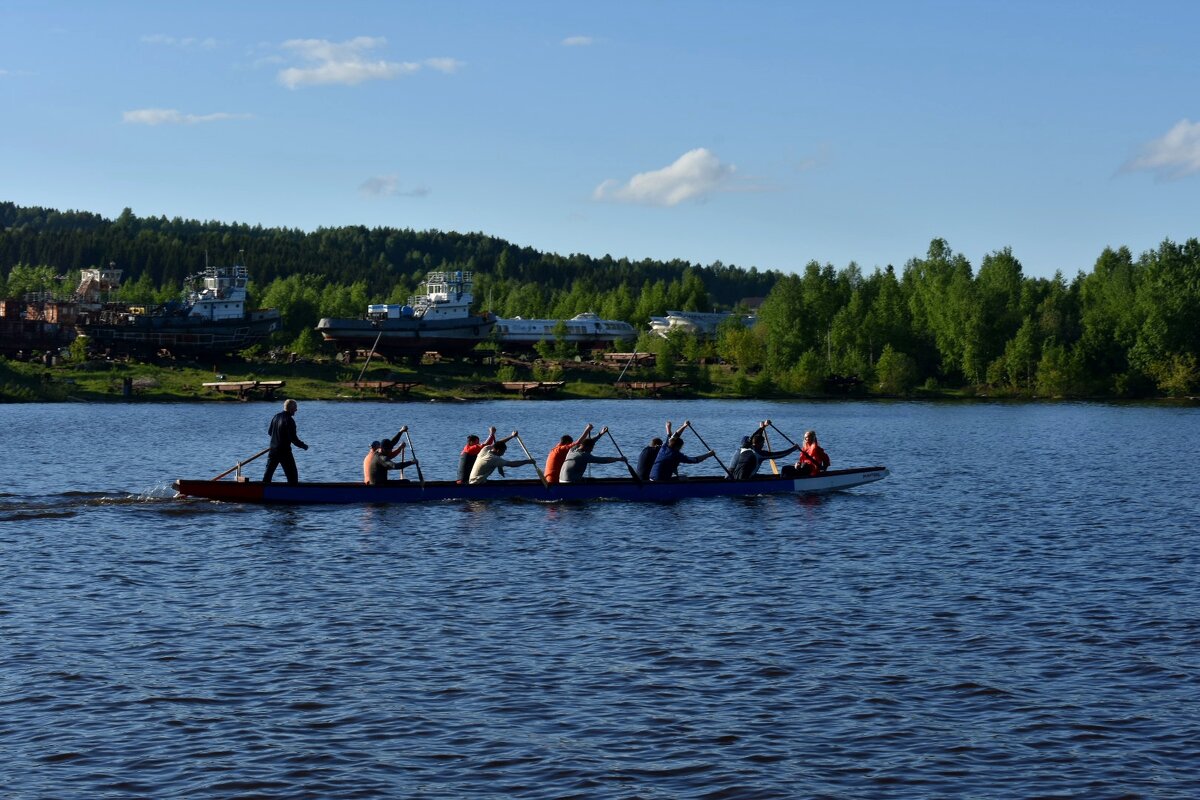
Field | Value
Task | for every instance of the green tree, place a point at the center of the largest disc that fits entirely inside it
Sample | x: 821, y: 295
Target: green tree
x: 895, y: 372
x: 807, y: 376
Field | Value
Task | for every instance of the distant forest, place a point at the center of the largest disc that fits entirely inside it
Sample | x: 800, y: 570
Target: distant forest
x: 1130, y: 327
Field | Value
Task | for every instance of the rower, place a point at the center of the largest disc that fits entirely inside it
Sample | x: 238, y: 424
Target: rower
x: 813, y: 460
x: 466, y: 459
x: 492, y: 458
x: 577, y: 460
x: 751, y: 454
x: 671, y: 455
x: 649, y: 453
x: 376, y: 465
x: 554, y: 461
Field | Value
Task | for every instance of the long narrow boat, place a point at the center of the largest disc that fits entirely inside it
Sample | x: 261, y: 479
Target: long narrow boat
x: 602, y: 489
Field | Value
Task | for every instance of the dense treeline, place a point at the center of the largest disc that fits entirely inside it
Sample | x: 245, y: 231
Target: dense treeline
x: 1131, y: 327
x: 386, y: 261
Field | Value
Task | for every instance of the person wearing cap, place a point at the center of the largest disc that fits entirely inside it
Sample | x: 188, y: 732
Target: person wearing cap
x: 491, y: 458
x: 376, y: 465
x: 558, y: 455
x: 578, y: 459
x: 283, y: 435
x: 751, y: 454
x: 670, y: 456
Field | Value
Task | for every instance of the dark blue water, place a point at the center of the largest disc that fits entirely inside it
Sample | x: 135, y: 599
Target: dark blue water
x: 1014, y: 613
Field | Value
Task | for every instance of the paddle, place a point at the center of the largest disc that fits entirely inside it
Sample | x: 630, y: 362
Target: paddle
x: 709, y: 449
x: 541, y: 477
x: 781, y: 433
x: 628, y: 466
x: 767, y: 439
x: 241, y: 464
x: 413, y: 449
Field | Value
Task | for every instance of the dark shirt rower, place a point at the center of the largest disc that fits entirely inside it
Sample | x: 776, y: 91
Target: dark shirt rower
x: 283, y: 435
x: 666, y: 464
x: 751, y: 455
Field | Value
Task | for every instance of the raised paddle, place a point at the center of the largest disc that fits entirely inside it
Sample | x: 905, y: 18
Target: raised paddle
x: 541, y: 477
x: 413, y: 449
x: 784, y: 435
x: 241, y: 464
x: 709, y: 449
x: 767, y: 439
x: 628, y: 466
x: 390, y: 443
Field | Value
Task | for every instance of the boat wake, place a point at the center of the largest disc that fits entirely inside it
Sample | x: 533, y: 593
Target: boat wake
x: 23, y: 508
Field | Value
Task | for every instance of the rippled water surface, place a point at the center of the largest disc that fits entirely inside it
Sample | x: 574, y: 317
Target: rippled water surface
x: 1015, y: 612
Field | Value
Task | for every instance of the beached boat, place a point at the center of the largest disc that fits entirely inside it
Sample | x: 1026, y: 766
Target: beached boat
x: 697, y: 323
x: 211, y: 319
x: 438, y: 321
x: 237, y: 491
x: 587, y: 330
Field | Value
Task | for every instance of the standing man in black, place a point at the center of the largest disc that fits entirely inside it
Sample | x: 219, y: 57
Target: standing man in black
x: 283, y: 436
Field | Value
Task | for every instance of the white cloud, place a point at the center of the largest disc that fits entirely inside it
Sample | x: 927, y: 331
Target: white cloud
x: 341, y: 63
x: 577, y: 41
x: 169, y: 116
x: 187, y: 42
x: 1174, y: 155
x: 446, y: 65
x: 694, y: 174
x: 389, y: 186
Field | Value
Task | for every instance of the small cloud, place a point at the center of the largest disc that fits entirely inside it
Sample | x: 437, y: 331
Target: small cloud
x: 19, y: 73
x: 1174, y: 155
x: 577, y: 41
x: 813, y: 162
x: 343, y: 63
x: 694, y: 174
x: 169, y: 116
x: 186, y: 43
x: 389, y: 186
x: 446, y: 65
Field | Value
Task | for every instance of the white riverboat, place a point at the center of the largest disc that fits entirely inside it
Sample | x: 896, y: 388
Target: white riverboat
x: 587, y: 330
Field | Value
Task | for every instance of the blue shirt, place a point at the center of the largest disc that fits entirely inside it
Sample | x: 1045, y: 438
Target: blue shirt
x: 668, y: 462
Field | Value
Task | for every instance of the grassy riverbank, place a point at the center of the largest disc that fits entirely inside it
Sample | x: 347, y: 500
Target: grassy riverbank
x: 447, y: 380
x: 325, y: 379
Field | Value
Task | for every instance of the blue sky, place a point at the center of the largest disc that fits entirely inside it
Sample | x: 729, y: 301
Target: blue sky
x: 763, y: 134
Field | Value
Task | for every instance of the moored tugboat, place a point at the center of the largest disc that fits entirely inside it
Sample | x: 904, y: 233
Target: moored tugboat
x: 438, y: 321
x: 211, y: 319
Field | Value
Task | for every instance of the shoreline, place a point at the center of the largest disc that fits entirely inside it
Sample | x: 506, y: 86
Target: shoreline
x: 447, y: 381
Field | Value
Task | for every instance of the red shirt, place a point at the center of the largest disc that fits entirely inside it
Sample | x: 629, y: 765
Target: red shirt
x: 815, y: 455
x: 555, y: 460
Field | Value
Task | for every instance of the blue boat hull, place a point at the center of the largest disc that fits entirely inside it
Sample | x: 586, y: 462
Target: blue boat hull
x: 605, y: 489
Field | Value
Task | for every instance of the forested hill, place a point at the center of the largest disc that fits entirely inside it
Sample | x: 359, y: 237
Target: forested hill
x: 1130, y: 327
x: 168, y: 250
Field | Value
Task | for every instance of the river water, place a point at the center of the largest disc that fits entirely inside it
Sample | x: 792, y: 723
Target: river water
x: 1014, y: 613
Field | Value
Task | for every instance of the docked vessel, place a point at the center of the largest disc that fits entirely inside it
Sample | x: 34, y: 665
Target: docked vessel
x: 438, y: 321
x: 238, y: 491
x: 38, y: 325
x: 698, y: 323
x: 586, y: 330
x: 211, y: 319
